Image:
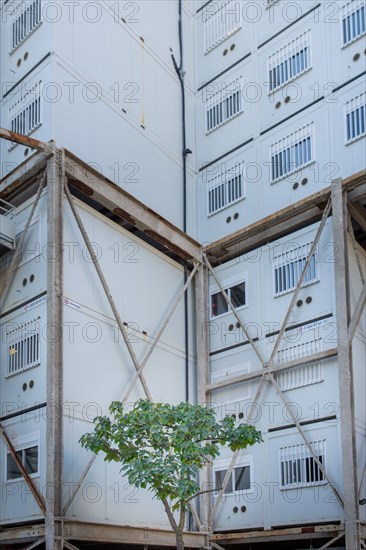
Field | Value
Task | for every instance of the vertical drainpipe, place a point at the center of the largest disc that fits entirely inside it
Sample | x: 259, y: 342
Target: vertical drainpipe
x: 180, y: 72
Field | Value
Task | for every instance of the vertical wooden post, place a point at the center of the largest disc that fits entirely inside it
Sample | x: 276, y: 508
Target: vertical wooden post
x: 54, y: 429
x: 347, y: 413
x: 202, y: 344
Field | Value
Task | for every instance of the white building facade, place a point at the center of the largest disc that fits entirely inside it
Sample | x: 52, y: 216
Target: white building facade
x: 199, y: 139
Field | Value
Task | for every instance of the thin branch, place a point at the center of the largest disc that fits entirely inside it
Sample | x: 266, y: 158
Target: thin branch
x: 198, y: 494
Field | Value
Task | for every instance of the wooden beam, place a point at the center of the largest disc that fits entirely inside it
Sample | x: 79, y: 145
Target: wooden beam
x: 283, y: 222
x: 117, y: 200
x: 104, y: 533
x: 83, y: 531
x: 288, y: 533
x: 22, y: 176
x: 25, y: 140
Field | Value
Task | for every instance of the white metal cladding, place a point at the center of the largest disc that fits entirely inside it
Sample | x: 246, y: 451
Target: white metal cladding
x: 298, y: 467
x: 355, y: 118
x: 292, y: 152
x: 305, y: 375
x: 288, y: 268
x: 221, y: 24
x: 226, y: 188
x: 25, y: 114
x: 290, y: 61
x: 28, y: 15
x: 224, y: 104
x: 23, y: 347
x: 353, y: 21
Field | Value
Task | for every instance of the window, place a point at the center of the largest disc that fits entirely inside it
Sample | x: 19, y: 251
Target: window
x: 292, y: 152
x: 28, y: 454
x: 220, y: 23
x: 236, y: 294
x: 23, y: 345
x: 224, y: 105
x: 288, y: 268
x: 289, y: 62
x: 298, y: 467
x: 355, y: 118
x: 226, y: 189
x: 353, y: 21
x: 25, y: 114
x: 305, y: 375
x: 240, y: 477
x: 29, y: 16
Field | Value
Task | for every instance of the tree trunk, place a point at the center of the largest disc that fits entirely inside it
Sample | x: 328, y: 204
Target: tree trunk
x: 179, y: 538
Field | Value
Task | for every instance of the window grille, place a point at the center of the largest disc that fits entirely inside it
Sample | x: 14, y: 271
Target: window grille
x: 353, y: 21
x: 221, y: 24
x: 23, y: 344
x: 298, y: 467
x: 226, y: 189
x: 288, y: 268
x: 289, y: 62
x: 292, y: 152
x: 29, y: 16
x: 307, y: 374
x: 224, y: 105
x: 25, y: 114
x: 355, y: 118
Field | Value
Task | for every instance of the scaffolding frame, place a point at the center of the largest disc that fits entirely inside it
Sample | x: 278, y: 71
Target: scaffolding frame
x: 59, y: 169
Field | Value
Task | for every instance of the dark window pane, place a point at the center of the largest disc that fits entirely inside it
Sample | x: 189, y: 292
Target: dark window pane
x: 13, y: 471
x: 30, y: 458
x: 218, y: 304
x: 242, y: 478
x: 237, y: 295
x: 219, y: 479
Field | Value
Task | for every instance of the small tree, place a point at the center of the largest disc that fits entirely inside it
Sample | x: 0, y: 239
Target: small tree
x: 161, y: 447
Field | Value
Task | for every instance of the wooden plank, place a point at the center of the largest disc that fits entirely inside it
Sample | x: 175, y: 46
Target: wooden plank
x: 83, y: 531
x: 275, y: 534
